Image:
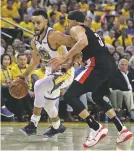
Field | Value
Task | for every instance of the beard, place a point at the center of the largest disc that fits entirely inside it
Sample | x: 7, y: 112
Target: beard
x: 37, y: 32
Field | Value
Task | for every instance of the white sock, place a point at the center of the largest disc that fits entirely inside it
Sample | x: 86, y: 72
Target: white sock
x: 35, y: 119
x: 3, y: 107
x: 56, y: 124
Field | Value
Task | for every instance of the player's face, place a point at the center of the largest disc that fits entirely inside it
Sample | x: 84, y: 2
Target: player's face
x: 71, y: 23
x: 6, y: 61
x: 39, y: 23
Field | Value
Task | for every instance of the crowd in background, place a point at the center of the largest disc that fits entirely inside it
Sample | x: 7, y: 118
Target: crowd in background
x: 113, y: 20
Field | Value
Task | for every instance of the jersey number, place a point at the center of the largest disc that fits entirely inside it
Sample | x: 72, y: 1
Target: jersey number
x: 99, y: 39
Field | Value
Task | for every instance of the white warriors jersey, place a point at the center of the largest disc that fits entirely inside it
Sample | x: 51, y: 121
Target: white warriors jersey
x: 46, y: 52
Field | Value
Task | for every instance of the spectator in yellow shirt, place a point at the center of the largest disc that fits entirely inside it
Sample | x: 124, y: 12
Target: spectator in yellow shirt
x: 63, y: 11
x: 96, y: 24
x: 122, y: 21
x: 109, y: 5
x: 55, y: 10
x: 9, y: 10
x: 109, y: 39
x: 125, y: 39
x: 84, y: 5
x: 16, y: 4
x: 21, y: 65
x: 61, y: 25
x: 18, y: 69
x: 28, y: 25
x: 125, y: 10
x: 3, y: 2
x: 5, y: 79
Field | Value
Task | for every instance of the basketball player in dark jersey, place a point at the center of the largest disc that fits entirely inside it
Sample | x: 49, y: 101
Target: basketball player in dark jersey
x: 95, y: 78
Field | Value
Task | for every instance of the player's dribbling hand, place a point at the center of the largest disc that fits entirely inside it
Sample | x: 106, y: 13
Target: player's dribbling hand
x: 57, y: 61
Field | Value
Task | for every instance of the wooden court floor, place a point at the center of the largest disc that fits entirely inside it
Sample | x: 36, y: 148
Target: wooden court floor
x: 72, y: 139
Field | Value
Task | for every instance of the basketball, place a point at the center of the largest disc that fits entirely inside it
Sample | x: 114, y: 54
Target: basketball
x: 18, y: 88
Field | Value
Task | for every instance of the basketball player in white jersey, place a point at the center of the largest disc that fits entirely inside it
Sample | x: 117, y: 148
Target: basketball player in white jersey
x: 47, y: 90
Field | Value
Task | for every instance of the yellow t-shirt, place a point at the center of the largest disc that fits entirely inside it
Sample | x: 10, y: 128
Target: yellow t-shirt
x: 3, y: 2
x: 84, y: 6
x: 108, y: 40
x: 56, y: 12
x: 123, y: 26
x: 12, y: 65
x: 29, y: 4
x: 28, y: 26
x: 5, y: 24
x: 16, y: 71
x: 99, y: 13
x: 128, y: 40
x: 110, y: 7
x: 125, y: 13
x: 5, y: 76
x: 95, y: 26
x: 9, y: 13
x: 16, y: 5
x: 59, y: 27
x: 39, y: 73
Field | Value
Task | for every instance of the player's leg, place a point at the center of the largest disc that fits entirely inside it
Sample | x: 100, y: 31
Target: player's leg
x: 52, y: 111
x: 40, y: 86
x: 72, y: 98
x: 109, y: 111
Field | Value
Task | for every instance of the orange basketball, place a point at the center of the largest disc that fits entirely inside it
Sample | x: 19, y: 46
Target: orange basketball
x: 18, y: 88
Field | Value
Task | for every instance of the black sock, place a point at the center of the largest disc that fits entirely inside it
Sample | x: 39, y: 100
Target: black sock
x: 117, y: 123
x: 92, y: 123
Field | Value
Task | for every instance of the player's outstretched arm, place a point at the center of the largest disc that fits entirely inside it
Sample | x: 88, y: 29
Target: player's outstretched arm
x: 62, y: 39
x: 81, y: 43
x: 34, y: 61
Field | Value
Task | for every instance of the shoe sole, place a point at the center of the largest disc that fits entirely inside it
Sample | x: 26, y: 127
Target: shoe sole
x: 7, y: 116
x: 103, y: 136
x: 25, y: 133
x: 126, y: 138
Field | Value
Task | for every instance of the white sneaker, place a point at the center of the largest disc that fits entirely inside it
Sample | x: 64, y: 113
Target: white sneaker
x: 124, y: 135
x: 96, y: 136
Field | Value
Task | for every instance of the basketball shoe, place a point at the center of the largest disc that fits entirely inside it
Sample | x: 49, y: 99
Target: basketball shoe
x: 29, y: 129
x: 51, y: 132
x: 124, y: 135
x: 96, y: 136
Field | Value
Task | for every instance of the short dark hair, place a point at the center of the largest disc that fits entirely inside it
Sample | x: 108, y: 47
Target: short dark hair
x: 76, y: 15
x: 21, y: 54
x: 2, y: 57
x: 40, y: 12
